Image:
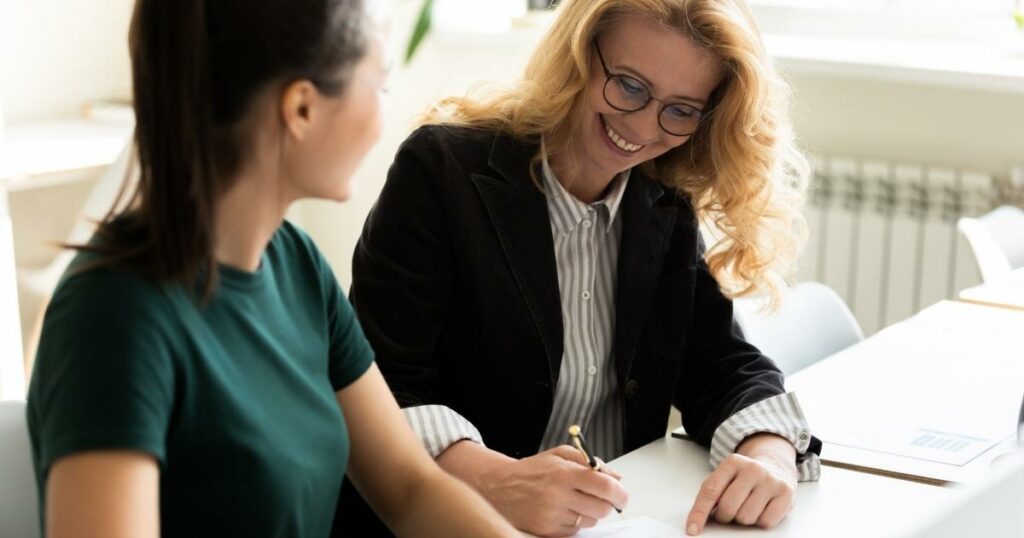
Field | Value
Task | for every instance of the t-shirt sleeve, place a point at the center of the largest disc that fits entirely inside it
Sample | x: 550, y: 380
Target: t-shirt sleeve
x: 351, y: 354
x: 103, y: 377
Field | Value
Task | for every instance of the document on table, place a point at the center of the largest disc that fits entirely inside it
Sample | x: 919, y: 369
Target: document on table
x: 636, y: 527
x: 922, y: 443
x: 934, y: 397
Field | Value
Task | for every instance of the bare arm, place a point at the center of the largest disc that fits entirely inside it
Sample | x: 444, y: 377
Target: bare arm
x: 396, y: 476
x: 105, y: 494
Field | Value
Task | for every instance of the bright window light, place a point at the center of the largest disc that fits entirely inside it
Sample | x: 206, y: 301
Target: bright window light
x: 476, y: 16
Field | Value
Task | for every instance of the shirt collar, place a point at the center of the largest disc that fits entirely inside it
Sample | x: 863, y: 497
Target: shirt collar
x: 566, y: 210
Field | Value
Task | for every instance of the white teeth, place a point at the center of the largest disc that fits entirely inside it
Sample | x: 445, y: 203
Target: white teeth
x: 621, y: 142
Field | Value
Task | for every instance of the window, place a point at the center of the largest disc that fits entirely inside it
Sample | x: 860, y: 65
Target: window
x: 978, y: 7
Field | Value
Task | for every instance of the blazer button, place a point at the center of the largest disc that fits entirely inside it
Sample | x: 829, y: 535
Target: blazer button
x: 632, y: 387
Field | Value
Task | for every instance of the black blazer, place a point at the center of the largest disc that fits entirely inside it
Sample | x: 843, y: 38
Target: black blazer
x: 455, y: 284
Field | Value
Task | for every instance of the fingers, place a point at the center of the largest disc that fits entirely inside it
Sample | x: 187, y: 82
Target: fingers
x: 602, y: 486
x: 608, y: 470
x: 735, y: 495
x: 776, y: 510
x: 754, y: 505
x: 574, y: 522
x: 587, y: 522
x: 710, y: 492
x: 742, y: 490
x: 564, y: 487
x: 570, y: 453
x: 589, y: 506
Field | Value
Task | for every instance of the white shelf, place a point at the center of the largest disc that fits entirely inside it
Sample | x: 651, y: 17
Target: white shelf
x: 54, y: 147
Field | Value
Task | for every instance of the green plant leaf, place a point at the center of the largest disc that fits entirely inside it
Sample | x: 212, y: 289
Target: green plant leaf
x: 420, y: 30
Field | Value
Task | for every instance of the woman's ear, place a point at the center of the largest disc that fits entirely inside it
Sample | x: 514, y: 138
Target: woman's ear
x: 297, y: 106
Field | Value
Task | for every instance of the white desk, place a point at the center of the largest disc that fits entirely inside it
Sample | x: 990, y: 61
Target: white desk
x: 663, y: 479
x: 923, y: 398
x: 1006, y: 293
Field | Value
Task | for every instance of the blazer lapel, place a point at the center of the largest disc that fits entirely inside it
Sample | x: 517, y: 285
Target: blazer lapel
x: 646, y: 234
x: 519, y: 214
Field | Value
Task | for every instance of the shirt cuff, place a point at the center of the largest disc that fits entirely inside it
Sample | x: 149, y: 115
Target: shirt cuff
x: 780, y: 415
x: 439, y: 427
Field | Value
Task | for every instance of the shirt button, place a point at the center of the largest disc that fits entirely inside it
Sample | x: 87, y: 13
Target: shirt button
x: 804, y: 436
x: 632, y: 387
x: 586, y: 224
x: 586, y: 295
x: 592, y: 370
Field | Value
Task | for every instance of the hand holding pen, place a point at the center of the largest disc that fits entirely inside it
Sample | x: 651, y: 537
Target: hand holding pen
x: 576, y: 439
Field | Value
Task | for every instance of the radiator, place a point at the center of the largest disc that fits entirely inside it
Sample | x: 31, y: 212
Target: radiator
x: 884, y: 235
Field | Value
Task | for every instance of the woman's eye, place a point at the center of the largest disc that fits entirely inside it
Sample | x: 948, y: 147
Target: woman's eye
x: 682, y: 112
x: 631, y: 86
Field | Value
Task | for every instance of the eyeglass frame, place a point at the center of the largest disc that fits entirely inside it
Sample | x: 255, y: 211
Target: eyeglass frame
x: 609, y: 76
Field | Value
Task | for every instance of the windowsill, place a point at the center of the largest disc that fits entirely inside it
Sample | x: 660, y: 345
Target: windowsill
x: 974, y: 66
x: 982, y: 55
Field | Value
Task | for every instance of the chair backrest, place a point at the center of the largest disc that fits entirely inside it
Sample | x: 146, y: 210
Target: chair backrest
x: 812, y: 324
x: 997, y: 239
x: 19, y: 515
x: 12, y: 368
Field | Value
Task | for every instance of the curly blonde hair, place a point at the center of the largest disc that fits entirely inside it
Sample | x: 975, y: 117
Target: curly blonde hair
x: 741, y: 169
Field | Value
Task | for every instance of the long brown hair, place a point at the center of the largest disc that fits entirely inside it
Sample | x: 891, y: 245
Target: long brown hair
x: 196, y: 64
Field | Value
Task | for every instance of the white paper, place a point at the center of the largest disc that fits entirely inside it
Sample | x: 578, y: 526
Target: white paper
x: 638, y: 527
x: 921, y: 443
x: 943, y: 386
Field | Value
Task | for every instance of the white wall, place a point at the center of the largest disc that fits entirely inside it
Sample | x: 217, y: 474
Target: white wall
x: 442, y: 67
x: 58, y: 55
x: 905, y: 122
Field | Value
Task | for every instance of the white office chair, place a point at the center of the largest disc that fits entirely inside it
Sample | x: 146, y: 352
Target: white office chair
x: 997, y: 239
x: 812, y: 323
x: 19, y: 506
x: 12, y: 371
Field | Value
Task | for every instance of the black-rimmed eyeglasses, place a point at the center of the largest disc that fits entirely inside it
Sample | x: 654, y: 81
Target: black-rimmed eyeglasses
x: 627, y: 94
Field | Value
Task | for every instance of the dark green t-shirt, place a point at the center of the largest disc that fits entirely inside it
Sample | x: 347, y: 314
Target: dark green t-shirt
x: 235, y: 398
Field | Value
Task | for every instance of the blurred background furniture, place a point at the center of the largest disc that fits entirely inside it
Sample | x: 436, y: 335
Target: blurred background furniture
x: 812, y: 323
x: 19, y: 515
x: 997, y: 240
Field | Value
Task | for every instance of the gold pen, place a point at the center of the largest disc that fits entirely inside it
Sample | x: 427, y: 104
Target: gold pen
x: 576, y: 438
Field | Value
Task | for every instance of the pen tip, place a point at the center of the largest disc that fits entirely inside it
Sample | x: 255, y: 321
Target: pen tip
x: 574, y: 429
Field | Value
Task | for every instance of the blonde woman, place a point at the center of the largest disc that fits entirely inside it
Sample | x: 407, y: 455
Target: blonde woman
x: 534, y: 261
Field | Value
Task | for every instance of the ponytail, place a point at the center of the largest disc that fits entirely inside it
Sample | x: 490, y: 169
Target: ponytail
x: 171, y: 72
x: 195, y: 67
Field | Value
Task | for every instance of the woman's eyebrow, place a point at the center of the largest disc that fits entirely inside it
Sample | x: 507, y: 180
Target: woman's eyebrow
x: 634, y: 73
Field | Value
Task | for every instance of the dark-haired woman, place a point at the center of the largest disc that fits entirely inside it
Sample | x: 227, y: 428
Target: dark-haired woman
x: 200, y: 371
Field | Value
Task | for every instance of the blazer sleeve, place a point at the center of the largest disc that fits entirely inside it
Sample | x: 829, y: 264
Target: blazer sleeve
x: 402, y: 271
x: 722, y: 373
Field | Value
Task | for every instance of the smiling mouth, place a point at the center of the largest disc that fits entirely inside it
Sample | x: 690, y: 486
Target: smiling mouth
x: 619, y: 140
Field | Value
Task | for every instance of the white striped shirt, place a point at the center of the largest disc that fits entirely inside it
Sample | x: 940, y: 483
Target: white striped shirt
x: 586, y: 239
